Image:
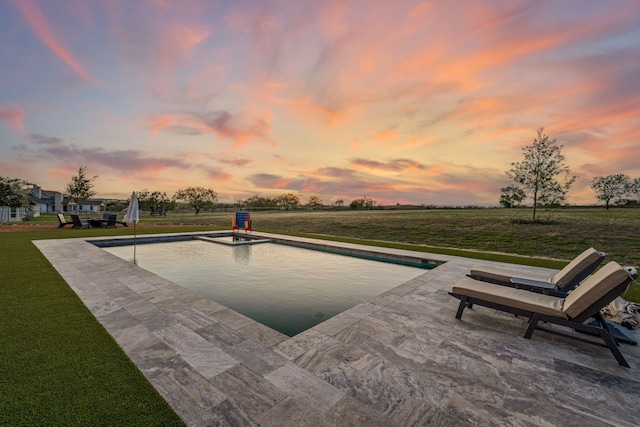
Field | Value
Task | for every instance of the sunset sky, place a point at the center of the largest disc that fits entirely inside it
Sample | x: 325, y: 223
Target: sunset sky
x: 422, y: 102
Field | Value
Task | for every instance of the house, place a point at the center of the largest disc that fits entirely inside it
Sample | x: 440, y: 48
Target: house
x: 8, y: 214
x: 48, y: 201
x: 44, y: 201
x: 87, y: 206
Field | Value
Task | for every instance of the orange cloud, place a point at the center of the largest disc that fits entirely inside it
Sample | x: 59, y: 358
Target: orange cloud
x: 36, y: 20
x: 156, y: 124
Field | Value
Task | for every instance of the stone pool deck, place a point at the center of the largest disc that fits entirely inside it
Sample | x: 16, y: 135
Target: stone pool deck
x: 399, y: 359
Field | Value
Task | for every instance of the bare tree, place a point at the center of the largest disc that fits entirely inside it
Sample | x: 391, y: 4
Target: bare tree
x: 542, y: 174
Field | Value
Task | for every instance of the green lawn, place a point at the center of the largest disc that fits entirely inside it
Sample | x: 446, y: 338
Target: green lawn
x: 58, y: 366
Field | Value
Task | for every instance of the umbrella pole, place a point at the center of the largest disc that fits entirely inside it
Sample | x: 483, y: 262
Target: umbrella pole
x: 134, y: 242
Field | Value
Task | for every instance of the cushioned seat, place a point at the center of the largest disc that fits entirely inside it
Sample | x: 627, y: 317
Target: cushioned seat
x: 528, y: 301
x: 559, y: 283
x: 584, y: 302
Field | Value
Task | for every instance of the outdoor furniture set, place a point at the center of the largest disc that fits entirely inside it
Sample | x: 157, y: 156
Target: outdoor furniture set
x: 107, y: 221
x: 570, y: 298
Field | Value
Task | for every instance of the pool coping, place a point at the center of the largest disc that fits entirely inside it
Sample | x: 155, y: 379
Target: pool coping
x: 214, y: 365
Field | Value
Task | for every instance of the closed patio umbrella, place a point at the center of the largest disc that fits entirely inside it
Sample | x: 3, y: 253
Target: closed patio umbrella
x: 132, y: 216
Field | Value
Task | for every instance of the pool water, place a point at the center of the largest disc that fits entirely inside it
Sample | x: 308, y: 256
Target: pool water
x: 289, y: 289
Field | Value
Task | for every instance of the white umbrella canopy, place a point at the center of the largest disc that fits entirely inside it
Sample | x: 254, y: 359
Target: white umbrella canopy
x: 133, y: 215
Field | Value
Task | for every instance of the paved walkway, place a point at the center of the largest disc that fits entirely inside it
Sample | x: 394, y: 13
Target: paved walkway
x: 399, y: 359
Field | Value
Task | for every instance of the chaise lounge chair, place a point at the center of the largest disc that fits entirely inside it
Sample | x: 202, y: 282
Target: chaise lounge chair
x: 558, y: 285
x: 78, y: 223
x: 63, y: 222
x: 583, y: 303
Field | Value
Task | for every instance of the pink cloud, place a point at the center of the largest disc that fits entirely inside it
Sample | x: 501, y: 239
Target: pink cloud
x: 36, y: 20
x: 156, y: 124
x: 239, y: 128
x: 13, y: 116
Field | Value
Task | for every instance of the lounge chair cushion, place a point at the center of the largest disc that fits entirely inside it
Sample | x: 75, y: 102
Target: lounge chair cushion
x: 593, y: 288
x: 575, y: 267
x: 571, y: 273
x: 512, y: 297
x: 504, y: 275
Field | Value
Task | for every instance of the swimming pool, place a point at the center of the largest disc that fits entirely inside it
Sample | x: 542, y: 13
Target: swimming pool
x: 289, y: 289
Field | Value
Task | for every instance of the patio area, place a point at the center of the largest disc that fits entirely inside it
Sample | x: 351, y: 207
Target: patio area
x: 399, y: 359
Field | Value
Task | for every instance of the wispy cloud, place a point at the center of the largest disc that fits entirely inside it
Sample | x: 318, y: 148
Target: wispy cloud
x: 239, y: 129
x: 395, y: 165
x: 235, y: 162
x: 32, y: 13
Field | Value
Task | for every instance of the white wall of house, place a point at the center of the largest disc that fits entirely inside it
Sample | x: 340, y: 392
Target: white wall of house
x: 72, y: 207
x: 8, y: 214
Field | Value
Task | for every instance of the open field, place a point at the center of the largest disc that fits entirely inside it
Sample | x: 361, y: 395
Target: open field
x: 568, y: 232
x: 58, y: 366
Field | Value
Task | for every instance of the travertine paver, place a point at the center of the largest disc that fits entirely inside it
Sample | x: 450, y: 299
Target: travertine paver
x: 399, y: 359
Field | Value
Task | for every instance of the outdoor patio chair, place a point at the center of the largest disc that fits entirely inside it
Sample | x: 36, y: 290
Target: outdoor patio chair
x: 110, y: 221
x: 77, y: 222
x: 558, y: 285
x: 583, y: 303
x: 63, y: 222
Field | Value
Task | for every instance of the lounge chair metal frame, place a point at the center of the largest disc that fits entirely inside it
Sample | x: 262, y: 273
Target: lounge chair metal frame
x: 576, y: 323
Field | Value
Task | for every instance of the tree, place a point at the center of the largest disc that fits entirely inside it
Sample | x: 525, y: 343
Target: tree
x: 288, y: 201
x: 512, y: 196
x: 155, y: 202
x: 542, y: 174
x: 339, y: 203
x: 13, y: 194
x: 81, y: 186
x: 362, y: 203
x: 197, y: 198
x: 611, y: 187
x: 314, y: 202
x: 633, y: 189
x: 259, y: 202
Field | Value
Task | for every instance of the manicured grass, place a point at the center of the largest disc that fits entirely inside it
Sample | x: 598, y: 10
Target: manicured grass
x: 58, y: 366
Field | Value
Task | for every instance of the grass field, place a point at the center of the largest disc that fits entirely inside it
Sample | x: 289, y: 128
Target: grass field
x: 58, y: 366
